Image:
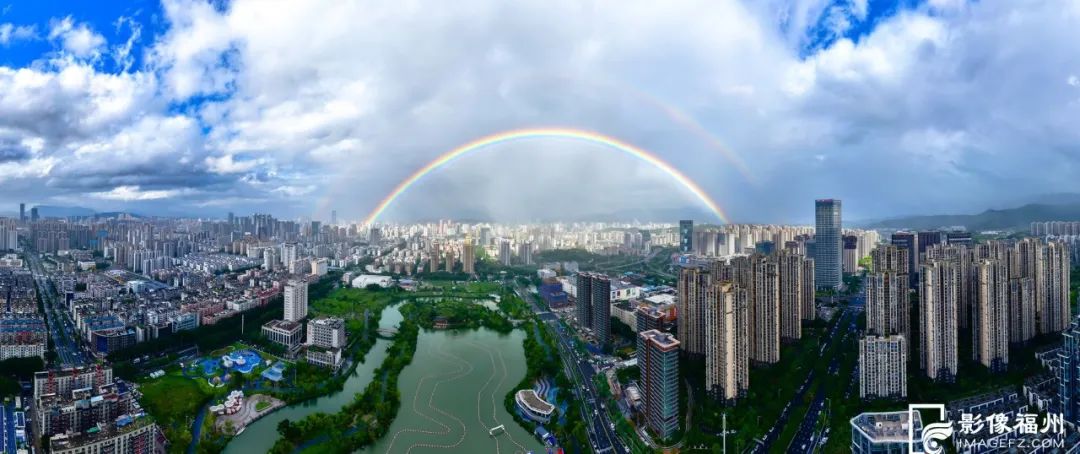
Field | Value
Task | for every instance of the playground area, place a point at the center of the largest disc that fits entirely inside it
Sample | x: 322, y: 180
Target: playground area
x: 218, y: 368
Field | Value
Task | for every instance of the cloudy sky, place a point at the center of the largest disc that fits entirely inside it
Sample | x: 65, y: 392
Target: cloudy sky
x: 297, y: 108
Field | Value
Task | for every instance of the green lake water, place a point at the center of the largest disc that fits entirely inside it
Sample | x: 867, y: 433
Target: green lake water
x: 451, y: 395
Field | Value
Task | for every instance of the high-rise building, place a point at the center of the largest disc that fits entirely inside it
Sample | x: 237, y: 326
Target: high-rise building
x: 333, y: 217
x: 468, y: 256
x: 928, y: 239
x: 959, y: 238
x: 34, y: 214
x: 991, y: 323
x: 326, y: 332
x: 851, y: 254
x: 525, y: 250
x: 289, y: 256
x: 22, y: 212
x: 887, y: 303
x: 584, y: 300
x: 601, y: 309
x: 1058, y: 308
x: 809, y: 309
x: 320, y: 266
x: 83, y: 410
x: 727, y: 357
x: 647, y: 318
x: 939, y: 293
x: 504, y: 252
x: 883, y: 367
x: 448, y: 263
x: 296, y: 300
x: 964, y: 259
x: 1021, y: 302
x: 691, y: 309
x: 686, y: 236
x: 1068, y: 374
x: 828, y: 246
x: 791, y: 295
x: 1027, y: 259
x: 910, y: 242
x: 659, y: 363
x: 435, y: 256
x: 764, y: 310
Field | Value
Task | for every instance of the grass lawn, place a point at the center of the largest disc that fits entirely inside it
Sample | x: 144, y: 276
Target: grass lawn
x: 262, y: 405
x: 172, y: 397
x: 173, y: 401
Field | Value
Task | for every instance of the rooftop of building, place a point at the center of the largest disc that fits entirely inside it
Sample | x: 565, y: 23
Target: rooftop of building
x: 662, y: 339
x: 534, y: 402
x: 122, y: 425
x: 282, y: 325
x: 332, y: 322
x: 891, y: 426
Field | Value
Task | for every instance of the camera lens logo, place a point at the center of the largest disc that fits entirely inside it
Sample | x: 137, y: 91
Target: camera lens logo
x: 933, y: 435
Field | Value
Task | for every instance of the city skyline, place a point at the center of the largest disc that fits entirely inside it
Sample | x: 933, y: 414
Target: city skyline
x: 123, y: 107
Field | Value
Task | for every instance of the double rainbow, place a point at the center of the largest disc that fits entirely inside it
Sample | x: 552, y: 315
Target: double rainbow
x: 541, y: 133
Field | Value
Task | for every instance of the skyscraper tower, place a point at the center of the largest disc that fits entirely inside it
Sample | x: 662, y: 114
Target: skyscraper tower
x: 727, y: 356
x: 468, y: 256
x: 764, y: 310
x: 601, y: 308
x: 504, y: 252
x: 991, y: 327
x: 296, y: 300
x: 910, y: 242
x: 828, y: 245
x: 584, y: 300
x: 1058, y: 309
x: 659, y: 362
x: 686, y: 236
x: 887, y: 301
x: 882, y: 367
x: 939, y: 292
x: 22, y: 212
x: 691, y: 309
x: 1068, y: 374
x: 809, y: 310
x: 333, y: 217
x: 791, y: 294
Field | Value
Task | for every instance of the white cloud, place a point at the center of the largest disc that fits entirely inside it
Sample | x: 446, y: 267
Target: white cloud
x: 134, y: 193
x: 10, y: 33
x: 78, y: 39
x: 344, y: 99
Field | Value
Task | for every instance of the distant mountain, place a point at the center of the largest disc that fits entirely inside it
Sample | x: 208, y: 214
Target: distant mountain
x: 1011, y: 218
x: 52, y: 211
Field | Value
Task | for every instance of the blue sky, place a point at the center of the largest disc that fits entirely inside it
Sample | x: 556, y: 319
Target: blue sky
x: 188, y: 107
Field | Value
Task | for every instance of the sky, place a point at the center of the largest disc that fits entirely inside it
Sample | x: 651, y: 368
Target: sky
x: 186, y: 107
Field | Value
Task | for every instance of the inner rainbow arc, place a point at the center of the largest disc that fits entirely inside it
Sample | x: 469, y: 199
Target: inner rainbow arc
x: 537, y: 133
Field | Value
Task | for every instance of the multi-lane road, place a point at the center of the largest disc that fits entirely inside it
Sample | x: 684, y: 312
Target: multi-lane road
x: 581, y: 371
x: 69, y: 352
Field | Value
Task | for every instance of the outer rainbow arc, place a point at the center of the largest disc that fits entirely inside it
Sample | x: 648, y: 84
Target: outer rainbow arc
x: 533, y: 133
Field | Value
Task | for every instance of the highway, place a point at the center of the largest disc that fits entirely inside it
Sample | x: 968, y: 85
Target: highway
x: 765, y: 442
x: 61, y: 328
x: 808, y: 435
x: 581, y: 372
